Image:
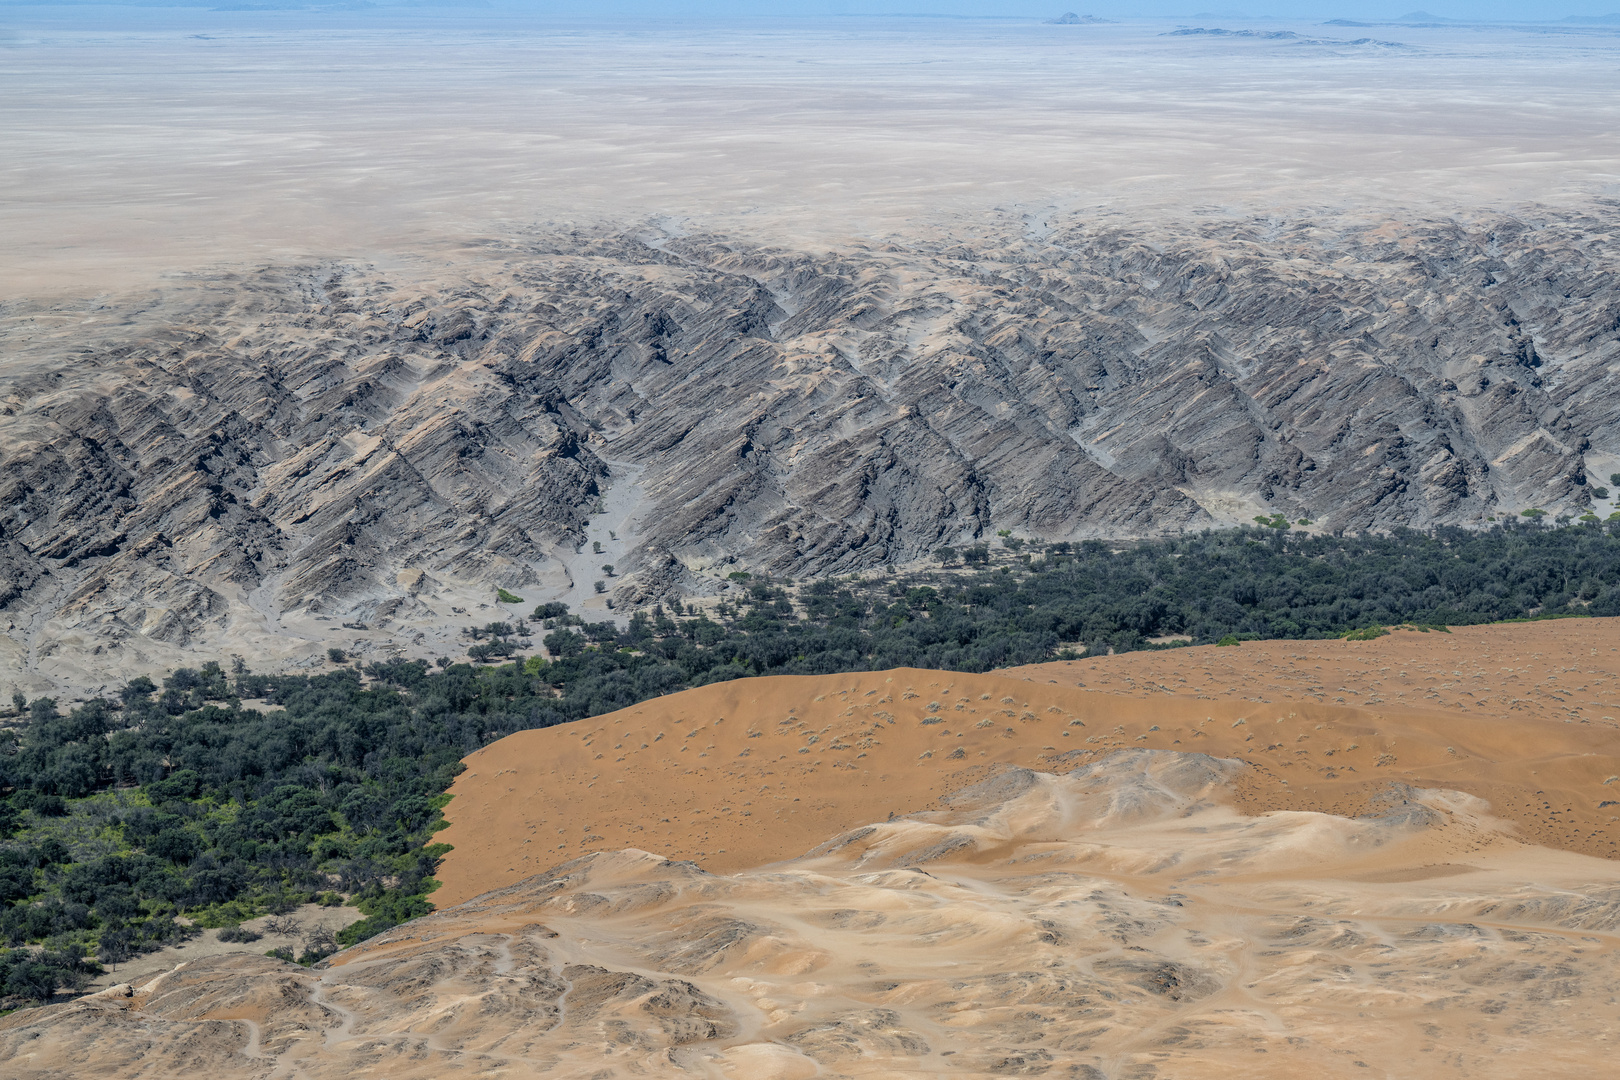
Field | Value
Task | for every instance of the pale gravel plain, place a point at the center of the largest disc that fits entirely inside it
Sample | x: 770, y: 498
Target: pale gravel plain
x: 151, y: 142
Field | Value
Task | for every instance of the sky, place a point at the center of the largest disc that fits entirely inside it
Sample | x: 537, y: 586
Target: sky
x: 1310, y: 10
x: 1538, y: 10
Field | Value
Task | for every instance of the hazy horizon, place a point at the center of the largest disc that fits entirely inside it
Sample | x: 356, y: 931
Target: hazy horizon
x: 1290, y: 10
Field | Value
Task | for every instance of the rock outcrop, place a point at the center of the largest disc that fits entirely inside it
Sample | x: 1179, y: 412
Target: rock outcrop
x: 248, y: 450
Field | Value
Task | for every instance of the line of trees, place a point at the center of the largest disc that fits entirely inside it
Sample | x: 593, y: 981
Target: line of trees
x: 1011, y: 605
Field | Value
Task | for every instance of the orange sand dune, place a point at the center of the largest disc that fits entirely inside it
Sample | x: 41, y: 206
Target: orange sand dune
x: 754, y: 771
x: 1563, y: 669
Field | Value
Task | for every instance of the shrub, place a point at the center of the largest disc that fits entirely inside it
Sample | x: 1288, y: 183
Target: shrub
x: 36, y: 982
x: 332, y: 783
x: 507, y: 598
x: 1366, y: 633
x: 238, y: 933
x: 50, y: 806
x: 370, y: 927
x: 337, y: 656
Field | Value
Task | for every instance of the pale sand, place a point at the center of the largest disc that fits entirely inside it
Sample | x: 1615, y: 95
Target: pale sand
x: 1123, y: 913
x: 140, y: 145
x: 1120, y: 922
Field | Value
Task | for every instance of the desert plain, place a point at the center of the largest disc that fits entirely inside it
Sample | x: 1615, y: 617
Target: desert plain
x: 319, y: 326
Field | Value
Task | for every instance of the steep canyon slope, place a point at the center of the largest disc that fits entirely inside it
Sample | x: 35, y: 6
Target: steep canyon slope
x: 240, y: 462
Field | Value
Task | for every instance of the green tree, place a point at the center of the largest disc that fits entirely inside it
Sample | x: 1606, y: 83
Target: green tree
x: 33, y: 981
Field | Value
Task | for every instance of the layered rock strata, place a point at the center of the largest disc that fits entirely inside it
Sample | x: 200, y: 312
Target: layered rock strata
x: 241, y: 457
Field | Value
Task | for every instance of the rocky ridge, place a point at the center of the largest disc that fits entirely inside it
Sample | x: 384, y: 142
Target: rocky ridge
x: 241, y: 461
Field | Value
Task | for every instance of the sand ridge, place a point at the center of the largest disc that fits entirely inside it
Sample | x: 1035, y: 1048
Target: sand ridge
x: 754, y: 771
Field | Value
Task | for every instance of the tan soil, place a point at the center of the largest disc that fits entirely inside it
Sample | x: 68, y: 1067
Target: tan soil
x: 309, y: 917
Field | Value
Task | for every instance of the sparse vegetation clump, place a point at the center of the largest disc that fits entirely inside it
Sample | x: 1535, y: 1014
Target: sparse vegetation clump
x: 123, y: 816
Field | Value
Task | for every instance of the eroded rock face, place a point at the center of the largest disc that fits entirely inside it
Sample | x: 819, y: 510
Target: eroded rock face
x: 299, y: 441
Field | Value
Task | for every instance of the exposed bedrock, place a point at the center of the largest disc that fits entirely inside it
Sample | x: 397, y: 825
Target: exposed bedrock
x: 312, y: 439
